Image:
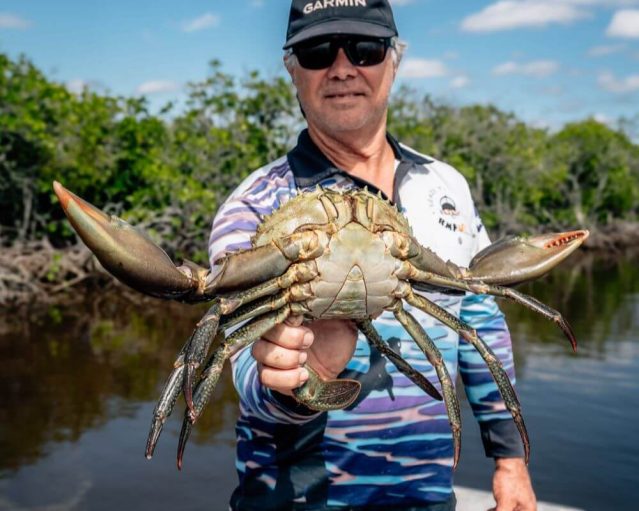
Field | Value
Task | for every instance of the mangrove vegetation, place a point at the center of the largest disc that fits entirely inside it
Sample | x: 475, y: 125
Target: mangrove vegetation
x: 168, y: 171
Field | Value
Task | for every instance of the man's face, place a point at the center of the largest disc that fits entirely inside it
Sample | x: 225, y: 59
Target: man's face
x: 345, y: 98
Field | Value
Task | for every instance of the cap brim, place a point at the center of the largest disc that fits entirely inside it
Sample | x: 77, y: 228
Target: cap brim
x: 339, y: 27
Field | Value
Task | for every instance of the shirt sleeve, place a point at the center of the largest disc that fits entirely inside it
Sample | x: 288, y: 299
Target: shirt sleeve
x: 233, y: 227
x: 499, y: 432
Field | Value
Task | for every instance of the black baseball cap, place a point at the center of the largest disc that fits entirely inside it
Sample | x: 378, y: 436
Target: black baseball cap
x: 315, y: 18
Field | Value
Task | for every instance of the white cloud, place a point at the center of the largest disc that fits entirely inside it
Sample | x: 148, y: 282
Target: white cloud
x: 602, y: 3
x: 603, y: 118
x: 8, y: 20
x: 625, y: 23
x: 207, y: 20
x: 422, y: 68
x: 601, y: 51
x: 157, y: 86
x: 510, y: 14
x: 459, y: 82
x: 76, y: 86
x: 536, y: 68
x: 611, y: 83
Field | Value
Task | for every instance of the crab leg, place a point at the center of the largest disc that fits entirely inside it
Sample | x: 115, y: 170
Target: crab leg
x: 194, y: 351
x: 412, y: 273
x: 297, y: 274
x: 131, y: 256
x: 182, y: 376
x: 494, y: 365
x: 316, y: 393
x: 201, y: 340
x: 433, y: 355
x: 257, y: 265
x: 374, y: 339
x: 200, y: 345
x: 267, y: 304
x: 167, y: 400
x: 238, y: 339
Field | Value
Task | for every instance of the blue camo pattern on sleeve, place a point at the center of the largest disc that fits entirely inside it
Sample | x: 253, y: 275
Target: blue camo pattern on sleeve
x: 482, y: 313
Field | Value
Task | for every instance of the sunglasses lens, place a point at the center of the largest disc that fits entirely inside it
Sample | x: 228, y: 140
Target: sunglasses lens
x: 360, y: 52
x: 366, y: 52
x: 319, y: 55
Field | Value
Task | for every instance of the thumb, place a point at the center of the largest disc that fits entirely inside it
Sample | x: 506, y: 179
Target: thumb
x: 294, y: 320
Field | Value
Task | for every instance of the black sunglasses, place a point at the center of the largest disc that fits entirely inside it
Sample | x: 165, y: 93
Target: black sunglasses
x: 361, y: 51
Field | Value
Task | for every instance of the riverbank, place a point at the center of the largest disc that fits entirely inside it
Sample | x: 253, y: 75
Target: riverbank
x: 37, y: 273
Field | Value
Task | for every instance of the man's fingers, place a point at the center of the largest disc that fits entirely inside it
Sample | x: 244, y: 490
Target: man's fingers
x: 275, y: 356
x: 291, y: 337
x: 281, y: 353
x: 283, y: 380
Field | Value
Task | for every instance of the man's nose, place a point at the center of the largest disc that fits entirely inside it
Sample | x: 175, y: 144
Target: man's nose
x: 341, y: 68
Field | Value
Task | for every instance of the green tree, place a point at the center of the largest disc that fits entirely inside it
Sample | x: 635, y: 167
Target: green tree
x: 597, y: 175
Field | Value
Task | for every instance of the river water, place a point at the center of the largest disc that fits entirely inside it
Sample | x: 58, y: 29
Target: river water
x: 78, y: 385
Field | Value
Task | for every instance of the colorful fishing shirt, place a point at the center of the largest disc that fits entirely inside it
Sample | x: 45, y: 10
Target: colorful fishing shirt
x: 392, y: 448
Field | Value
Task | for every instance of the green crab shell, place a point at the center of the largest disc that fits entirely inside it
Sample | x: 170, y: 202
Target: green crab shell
x: 330, y: 211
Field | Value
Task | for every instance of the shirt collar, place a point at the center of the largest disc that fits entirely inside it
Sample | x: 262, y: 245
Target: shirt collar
x: 310, y: 166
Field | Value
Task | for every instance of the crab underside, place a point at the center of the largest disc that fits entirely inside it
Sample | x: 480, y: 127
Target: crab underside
x: 323, y: 254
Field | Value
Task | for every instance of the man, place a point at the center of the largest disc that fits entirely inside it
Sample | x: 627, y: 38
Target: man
x: 392, y: 449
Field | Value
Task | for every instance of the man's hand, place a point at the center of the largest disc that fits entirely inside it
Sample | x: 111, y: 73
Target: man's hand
x: 327, y: 345
x: 512, y: 488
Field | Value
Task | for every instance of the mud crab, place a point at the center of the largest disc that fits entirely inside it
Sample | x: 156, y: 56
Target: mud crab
x: 323, y: 254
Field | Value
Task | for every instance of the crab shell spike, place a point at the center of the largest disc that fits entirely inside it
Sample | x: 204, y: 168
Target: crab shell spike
x: 124, y: 251
x: 517, y: 259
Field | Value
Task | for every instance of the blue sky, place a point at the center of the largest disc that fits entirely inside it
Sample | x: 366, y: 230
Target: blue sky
x: 549, y: 61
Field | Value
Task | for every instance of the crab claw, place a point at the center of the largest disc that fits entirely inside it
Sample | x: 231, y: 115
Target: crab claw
x: 124, y: 251
x: 516, y: 259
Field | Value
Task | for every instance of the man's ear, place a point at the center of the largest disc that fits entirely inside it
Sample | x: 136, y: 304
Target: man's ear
x: 290, y: 68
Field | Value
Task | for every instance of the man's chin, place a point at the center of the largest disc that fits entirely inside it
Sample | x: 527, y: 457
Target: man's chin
x: 347, y: 123
x: 344, y: 128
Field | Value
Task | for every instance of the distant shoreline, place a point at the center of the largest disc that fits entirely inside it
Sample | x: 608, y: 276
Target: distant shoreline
x: 617, y: 237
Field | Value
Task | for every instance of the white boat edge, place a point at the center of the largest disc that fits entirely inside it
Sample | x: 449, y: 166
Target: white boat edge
x: 469, y: 499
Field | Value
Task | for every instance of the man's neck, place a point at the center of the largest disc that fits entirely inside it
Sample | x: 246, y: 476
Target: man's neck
x: 367, y: 156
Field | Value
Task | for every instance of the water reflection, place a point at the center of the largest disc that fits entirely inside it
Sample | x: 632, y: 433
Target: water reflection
x: 79, y: 383
x: 597, y: 296
x: 66, y: 370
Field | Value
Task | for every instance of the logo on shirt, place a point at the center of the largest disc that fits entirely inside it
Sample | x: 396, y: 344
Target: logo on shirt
x: 324, y: 4
x: 445, y: 209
